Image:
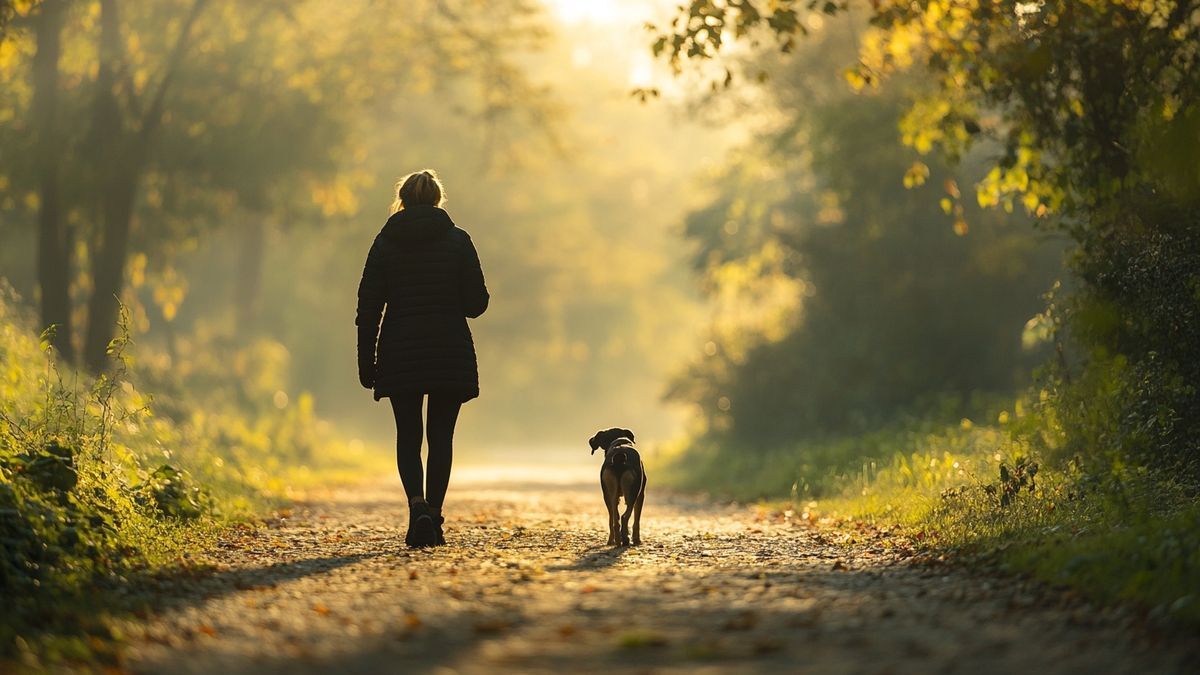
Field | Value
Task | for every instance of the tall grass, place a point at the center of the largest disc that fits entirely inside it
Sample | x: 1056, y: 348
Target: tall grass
x: 102, y: 483
x: 1132, y: 537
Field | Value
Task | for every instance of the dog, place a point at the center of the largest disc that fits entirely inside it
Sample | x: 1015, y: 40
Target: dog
x: 621, y: 475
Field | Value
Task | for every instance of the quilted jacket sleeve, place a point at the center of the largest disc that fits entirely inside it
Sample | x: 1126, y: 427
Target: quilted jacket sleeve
x: 474, y: 291
x: 372, y: 295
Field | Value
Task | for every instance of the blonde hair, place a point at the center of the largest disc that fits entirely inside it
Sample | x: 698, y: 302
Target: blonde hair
x: 421, y: 187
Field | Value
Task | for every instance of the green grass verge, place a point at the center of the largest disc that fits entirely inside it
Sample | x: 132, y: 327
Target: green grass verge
x: 104, y: 486
x: 977, y: 492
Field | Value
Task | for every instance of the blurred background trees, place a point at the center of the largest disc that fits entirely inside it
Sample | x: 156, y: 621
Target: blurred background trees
x: 1085, y: 112
x: 847, y: 295
x: 182, y: 116
x: 841, y: 241
x: 222, y: 168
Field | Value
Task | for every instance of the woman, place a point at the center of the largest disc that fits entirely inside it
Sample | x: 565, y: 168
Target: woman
x: 426, y: 273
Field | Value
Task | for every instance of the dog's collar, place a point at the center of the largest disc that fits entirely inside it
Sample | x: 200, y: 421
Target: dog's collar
x: 622, y: 441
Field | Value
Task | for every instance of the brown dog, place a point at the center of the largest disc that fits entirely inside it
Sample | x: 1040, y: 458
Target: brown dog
x: 621, y: 475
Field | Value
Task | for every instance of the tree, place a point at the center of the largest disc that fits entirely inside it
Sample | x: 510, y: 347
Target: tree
x: 54, y: 243
x: 1077, y: 93
x: 123, y: 134
x: 201, y: 112
x: 1094, y: 106
x: 7, y: 10
x: 843, y: 301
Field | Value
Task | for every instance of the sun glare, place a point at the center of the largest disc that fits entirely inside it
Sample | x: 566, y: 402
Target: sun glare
x: 641, y: 71
x: 585, y: 11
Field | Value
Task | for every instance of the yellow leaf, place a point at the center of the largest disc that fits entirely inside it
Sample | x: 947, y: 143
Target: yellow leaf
x: 855, y: 79
x: 916, y: 175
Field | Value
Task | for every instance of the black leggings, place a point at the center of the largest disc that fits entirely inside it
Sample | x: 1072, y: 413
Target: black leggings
x: 442, y: 414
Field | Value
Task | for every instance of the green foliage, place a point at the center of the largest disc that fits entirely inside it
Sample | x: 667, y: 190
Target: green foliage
x: 1087, y: 94
x: 198, y: 116
x: 1136, y: 314
x: 1079, y: 88
x: 1092, y: 104
x: 1075, y: 93
x: 1133, y: 540
x: 844, y: 298
x: 50, y: 468
x: 7, y: 10
x: 1013, y: 480
x: 172, y: 493
x: 701, y: 26
x: 915, y: 453
x: 266, y: 189
x: 87, y: 502
x: 986, y: 494
x: 71, y: 514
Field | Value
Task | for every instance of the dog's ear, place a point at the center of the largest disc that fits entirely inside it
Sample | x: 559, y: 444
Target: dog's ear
x: 628, y: 434
x: 594, y: 442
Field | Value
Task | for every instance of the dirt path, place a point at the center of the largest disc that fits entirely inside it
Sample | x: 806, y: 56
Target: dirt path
x: 526, y: 586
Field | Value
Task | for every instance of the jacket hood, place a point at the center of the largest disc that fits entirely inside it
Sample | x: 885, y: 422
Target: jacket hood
x: 417, y: 224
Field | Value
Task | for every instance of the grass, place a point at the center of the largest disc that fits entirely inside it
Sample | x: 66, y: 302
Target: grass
x: 104, y: 486
x: 985, y: 494
x: 1134, y: 538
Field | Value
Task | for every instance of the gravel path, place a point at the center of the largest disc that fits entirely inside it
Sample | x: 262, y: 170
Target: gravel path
x: 526, y: 585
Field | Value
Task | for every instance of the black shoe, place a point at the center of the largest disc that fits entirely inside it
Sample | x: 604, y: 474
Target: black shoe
x: 437, y: 526
x: 421, y: 529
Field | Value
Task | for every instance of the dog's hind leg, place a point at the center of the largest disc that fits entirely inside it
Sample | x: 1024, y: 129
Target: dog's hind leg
x: 637, y: 514
x: 629, y: 483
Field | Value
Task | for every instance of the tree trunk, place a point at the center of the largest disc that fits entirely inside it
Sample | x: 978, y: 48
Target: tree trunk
x: 110, y: 142
x: 108, y: 264
x: 122, y: 147
x: 54, y: 242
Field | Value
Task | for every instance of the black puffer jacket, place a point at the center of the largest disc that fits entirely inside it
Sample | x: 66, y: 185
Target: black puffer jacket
x: 426, y: 272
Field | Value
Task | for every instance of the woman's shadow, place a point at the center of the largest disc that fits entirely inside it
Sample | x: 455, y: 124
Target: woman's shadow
x: 171, y: 589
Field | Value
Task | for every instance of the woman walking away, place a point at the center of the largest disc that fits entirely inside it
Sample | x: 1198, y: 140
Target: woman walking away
x: 426, y: 273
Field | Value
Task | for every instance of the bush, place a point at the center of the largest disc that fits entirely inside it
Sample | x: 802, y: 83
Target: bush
x: 1133, y: 394
x: 97, y: 487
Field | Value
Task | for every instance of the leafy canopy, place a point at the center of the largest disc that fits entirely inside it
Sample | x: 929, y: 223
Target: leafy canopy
x: 1088, y: 99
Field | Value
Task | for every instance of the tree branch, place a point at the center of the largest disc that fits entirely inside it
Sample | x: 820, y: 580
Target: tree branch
x: 153, y: 115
